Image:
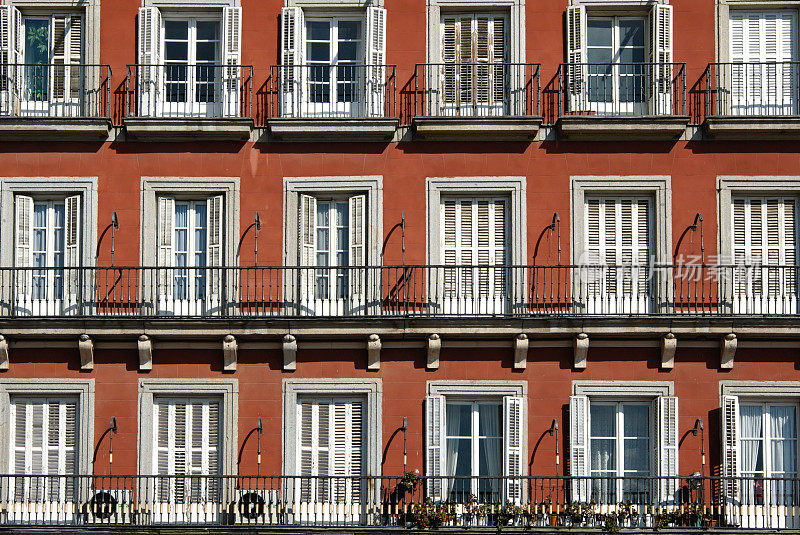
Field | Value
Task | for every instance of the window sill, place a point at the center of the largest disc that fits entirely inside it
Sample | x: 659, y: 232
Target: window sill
x: 188, y: 129
x: 637, y: 128
x: 335, y: 129
x: 476, y: 128
x: 751, y: 127
x: 54, y: 128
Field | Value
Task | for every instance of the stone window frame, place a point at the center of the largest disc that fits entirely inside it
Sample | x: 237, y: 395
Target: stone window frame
x: 329, y: 5
x: 730, y: 186
x: 761, y: 389
x: 227, y: 389
x: 152, y: 187
x: 516, y: 24
x: 90, y: 10
x: 623, y: 389
x: 49, y: 187
x: 83, y: 389
x: 723, y: 26
x: 514, y: 187
x: 659, y: 186
x: 192, y: 5
x: 371, y: 186
x: 370, y: 389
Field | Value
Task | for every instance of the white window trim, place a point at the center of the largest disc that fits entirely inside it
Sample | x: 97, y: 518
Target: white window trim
x: 623, y: 389
x: 660, y: 187
x: 190, y: 4
x: 730, y: 186
x: 723, y: 27
x: 511, y: 187
x: 226, y: 389
x: 516, y: 24
x: 371, y: 186
x: 90, y: 9
x: 83, y: 389
x: 776, y: 390
x: 49, y: 187
x: 371, y: 390
x: 184, y: 187
x: 617, y: 7
x: 327, y: 5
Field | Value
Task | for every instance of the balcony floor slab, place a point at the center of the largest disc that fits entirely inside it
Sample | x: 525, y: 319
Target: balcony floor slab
x: 188, y: 129
x: 333, y: 128
x: 748, y: 127
x: 639, y: 128
x: 476, y: 128
x: 54, y: 128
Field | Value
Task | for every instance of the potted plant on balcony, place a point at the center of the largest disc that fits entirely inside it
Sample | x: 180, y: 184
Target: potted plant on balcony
x: 430, y: 515
x: 474, y: 512
x: 408, y: 483
x: 509, y: 515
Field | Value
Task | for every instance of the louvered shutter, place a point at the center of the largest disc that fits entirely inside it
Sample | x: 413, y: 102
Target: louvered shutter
x: 60, y: 43
x: 358, y: 277
x: 291, y: 59
x: 307, y: 236
x: 347, y: 445
x: 579, y: 447
x: 216, y: 257
x: 72, y: 247
x: 661, y: 52
x: 450, y: 47
x: 500, y: 74
x: 11, y: 46
x: 668, y: 447
x: 231, y: 57
x: 375, y: 23
x: 149, y: 57
x: 576, y: 56
x: 165, y: 252
x: 23, y: 236
x: 513, y: 447
x: 730, y: 447
x: 435, y: 446
x: 76, y: 74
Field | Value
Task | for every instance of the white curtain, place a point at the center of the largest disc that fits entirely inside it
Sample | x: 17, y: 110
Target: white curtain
x: 783, y: 433
x: 490, y: 427
x: 752, y: 435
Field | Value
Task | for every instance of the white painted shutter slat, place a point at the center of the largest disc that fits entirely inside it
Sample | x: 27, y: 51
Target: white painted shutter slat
x: 376, y: 59
x: 668, y: 446
x: 216, y: 257
x: 512, y: 446
x: 292, y: 24
x: 435, y: 446
x: 450, y: 54
x: 149, y: 56
x: 60, y: 46
x: 76, y: 76
x: 358, y: 233
x: 661, y: 50
x: 72, y: 249
x: 23, y: 235
x: 307, y: 234
x: 231, y: 57
x: 579, y: 447
x: 165, y: 253
x: 500, y: 74
x: 576, y: 55
x: 730, y: 446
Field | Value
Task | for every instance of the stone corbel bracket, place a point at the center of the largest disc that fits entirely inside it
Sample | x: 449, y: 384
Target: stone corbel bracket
x: 669, y: 343
x: 145, y: 346
x: 289, y: 353
x: 581, y: 351
x: 230, y: 350
x: 374, y: 352
x: 86, y: 349
x: 4, y: 361
x: 521, y: 345
x: 434, y: 348
x: 727, y: 350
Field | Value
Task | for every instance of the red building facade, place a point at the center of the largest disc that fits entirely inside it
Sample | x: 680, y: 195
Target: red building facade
x: 474, y: 218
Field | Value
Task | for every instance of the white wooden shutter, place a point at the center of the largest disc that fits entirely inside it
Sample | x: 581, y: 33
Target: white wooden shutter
x: 576, y: 55
x: 661, y: 52
x: 358, y: 277
x: 435, y: 446
x: 668, y: 446
x: 149, y: 54
x: 449, y: 76
x: 348, y: 430
x: 165, y: 252
x: 307, y: 238
x: 579, y: 447
x: 23, y: 236
x: 216, y: 257
x: 76, y: 76
x: 11, y: 43
x: 60, y: 43
x: 292, y: 24
x: 231, y: 57
x: 513, y: 461
x: 375, y: 24
x: 730, y: 446
x: 72, y: 246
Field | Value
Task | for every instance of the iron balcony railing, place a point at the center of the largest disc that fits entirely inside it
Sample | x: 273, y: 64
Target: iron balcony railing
x: 753, y: 88
x: 185, y: 90
x: 600, y: 502
x: 341, y: 90
x: 421, y: 290
x: 56, y: 90
x: 622, y: 89
x: 476, y: 90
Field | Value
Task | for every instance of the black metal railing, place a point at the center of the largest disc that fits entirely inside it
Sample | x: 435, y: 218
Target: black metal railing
x: 339, y: 90
x: 476, y: 90
x: 622, y: 89
x: 753, y: 88
x: 55, y: 90
x: 419, y: 290
x: 189, y: 90
x: 604, y: 502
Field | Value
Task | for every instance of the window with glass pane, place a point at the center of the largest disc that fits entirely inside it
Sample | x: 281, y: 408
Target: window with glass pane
x: 619, y: 451
x: 52, y: 53
x: 333, y: 248
x: 190, y: 249
x: 48, y: 250
x: 474, y: 449
x: 333, y: 50
x: 615, y: 53
x: 191, y: 51
x: 37, y: 56
x: 768, y: 453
